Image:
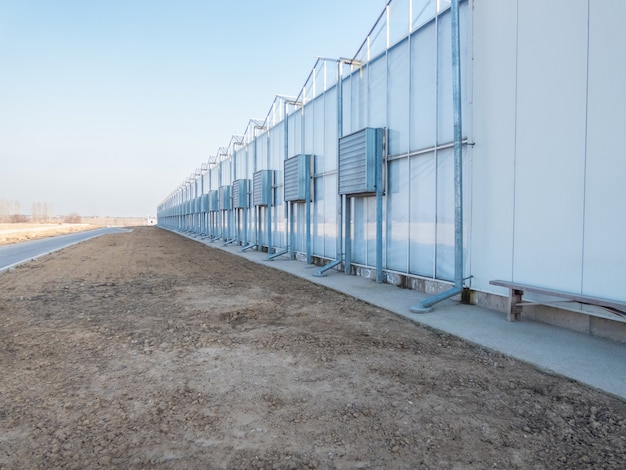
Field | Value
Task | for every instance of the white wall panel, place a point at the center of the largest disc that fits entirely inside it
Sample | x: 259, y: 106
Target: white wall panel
x: 551, y: 89
x: 492, y: 198
x: 604, y: 261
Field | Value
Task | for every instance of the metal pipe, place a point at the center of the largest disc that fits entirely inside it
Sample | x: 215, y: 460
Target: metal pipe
x: 348, y: 238
x: 276, y: 255
x: 327, y: 267
x: 426, y: 304
x: 307, y: 208
x: 292, y: 233
x: 268, y: 222
x: 379, y: 214
x: 339, y: 136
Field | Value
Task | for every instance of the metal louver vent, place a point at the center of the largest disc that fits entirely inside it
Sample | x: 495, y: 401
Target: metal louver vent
x: 225, y: 202
x: 213, y: 201
x: 297, y: 177
x: 360, y: 156
x: 240, y: 194
x: 205, y: 203
x: 262, y: 187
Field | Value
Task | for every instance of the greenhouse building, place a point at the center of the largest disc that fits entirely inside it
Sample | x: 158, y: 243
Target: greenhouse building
x: 469, y: 149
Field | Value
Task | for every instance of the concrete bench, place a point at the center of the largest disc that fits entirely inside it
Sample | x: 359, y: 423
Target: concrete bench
x: 516, y: 291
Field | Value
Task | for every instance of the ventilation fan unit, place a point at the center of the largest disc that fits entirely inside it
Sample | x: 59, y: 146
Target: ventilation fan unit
x: 360, y: 157
x: 240, y: 193
x: 297, y: 177
x: 213, y: 199
x: 225, y: 202
x: 262, y: 188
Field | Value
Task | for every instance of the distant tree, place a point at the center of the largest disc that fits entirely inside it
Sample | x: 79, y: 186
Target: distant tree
x: 41, y: 212
x: 10, y: 212
x: 4, y: 210
x: 18, y: 219
x: 72, y: 218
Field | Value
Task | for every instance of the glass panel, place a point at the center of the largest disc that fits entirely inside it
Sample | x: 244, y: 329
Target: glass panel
x: 317, y: 216
x: 320, y: 77
x: 378, y: 38
x: 329, y: 220
x: 398, y: 215
x: 330, y: 71
x: 347, y: 104
x: 359, y: 218
x: 318, y: 129
x: 442, y: 5
x: 422, y: 203
x: 359, y: 90
x: 309, y: 120
x: 422, y: 11
x: 261, y: 152
x: 445, y: 131
x: 330, y: 130
x: 300, y: 227
x: 445, y: 215
x: 215, y: 182
x: 398, y: 91
x: 370, y: 205
x: 293, y: 132
x: 423, y: 97
x: 399, y: 21
x: 308, y: 89
x: 297, y: 132
x: 377, y: 93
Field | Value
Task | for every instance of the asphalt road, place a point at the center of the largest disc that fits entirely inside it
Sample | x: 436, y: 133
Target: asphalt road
x: 17, y: 253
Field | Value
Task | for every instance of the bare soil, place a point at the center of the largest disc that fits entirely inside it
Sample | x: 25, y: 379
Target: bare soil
x: 149, y: 350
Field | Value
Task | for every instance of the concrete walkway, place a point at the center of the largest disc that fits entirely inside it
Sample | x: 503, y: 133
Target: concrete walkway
x: 597, y: 362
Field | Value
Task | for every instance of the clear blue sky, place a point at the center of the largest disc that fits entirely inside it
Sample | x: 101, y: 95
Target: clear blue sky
x: 107, y: 105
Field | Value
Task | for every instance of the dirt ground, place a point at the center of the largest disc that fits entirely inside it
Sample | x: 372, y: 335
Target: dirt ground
x: 15, y: 233
x: 149, y: 350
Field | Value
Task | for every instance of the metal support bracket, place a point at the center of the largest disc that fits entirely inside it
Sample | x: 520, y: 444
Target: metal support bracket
x: 276, y: 255
x: 320, y: 272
